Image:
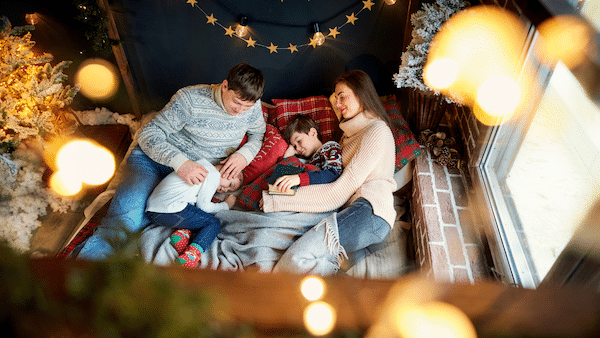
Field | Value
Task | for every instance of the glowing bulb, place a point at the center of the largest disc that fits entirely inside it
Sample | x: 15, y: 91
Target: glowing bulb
x: 499, y: 95
x: 319, y: 318
x: 65, y: 184
x: 98, y: 79
x: 242, y: 28
x: 319, y: 38
x: 441, y: 73
x: 31, y: 19
x: 390, y: 2
x: 312, y: 288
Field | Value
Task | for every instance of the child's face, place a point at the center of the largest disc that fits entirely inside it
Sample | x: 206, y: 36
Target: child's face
x: 226, y: 185
x: 305, y: 144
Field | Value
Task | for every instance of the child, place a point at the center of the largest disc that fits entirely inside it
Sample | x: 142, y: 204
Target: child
x: 303, y: 136
x: 176, y: 204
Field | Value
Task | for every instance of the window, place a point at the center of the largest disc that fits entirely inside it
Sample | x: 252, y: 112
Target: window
x: 539, y: 174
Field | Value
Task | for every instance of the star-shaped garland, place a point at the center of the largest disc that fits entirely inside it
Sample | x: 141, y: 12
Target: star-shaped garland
x: 333, y: 32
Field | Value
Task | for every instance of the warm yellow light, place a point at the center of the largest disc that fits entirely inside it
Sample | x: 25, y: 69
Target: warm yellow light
x: 499, y: 95
x: 65, y: 184
x: 433, y: 319
x: 440, y: 73
x: 390, y: 2
x: 32, y: 18
x: 90, y: 163
x: 319, y: 38
x: 476, y: 38
x: 566, y: 38
x: 319, y: 318
x: 98, y: 79
x: 241, y: 30
x: 312, y: 288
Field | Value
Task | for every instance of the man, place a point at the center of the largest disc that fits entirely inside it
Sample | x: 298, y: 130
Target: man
x: 200, y: 121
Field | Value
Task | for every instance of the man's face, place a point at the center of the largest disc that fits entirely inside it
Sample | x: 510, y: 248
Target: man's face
x: 233, y: 104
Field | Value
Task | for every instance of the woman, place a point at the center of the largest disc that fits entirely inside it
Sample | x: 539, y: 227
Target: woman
x: 366, y: 185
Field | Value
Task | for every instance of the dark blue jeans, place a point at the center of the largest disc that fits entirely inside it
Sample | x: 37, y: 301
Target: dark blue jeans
x: 192, y: 218
x: 359, y: 227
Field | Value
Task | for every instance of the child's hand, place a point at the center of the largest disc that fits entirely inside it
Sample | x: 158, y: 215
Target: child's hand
x: 287, y: 182
x: 290, y: 151
x: 230, y: 200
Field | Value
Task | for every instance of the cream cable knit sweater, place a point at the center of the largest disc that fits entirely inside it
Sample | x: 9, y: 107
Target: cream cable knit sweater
x: 368, y: 154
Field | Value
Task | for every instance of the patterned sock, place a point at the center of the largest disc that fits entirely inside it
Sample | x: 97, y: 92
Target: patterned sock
x: 191, y: 256
x: 180, y: 240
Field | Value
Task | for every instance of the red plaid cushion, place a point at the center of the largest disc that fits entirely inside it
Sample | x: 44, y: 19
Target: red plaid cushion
x: 317, y: 107
x: 271, y: 151
x: 85, y: 232
x: 250, y: 197
x: 407, y: 148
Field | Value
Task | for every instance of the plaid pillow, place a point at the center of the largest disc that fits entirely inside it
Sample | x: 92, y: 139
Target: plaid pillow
x: 271, y: 151
x: 407, y: 147
x: 317, y: 107
x: 250, y: 197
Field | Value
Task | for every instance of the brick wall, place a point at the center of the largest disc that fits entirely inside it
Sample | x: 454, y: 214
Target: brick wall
x: 447, y: 241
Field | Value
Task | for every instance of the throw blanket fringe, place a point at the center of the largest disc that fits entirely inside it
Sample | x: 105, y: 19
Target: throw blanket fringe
x: 332, y: 240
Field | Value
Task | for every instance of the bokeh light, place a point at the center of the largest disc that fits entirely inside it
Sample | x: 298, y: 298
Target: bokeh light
x: 319, y: 318
x: 81, y: 162
x: 440, y: 73
x: 64, y: 184
x: 499, y: 95
x: 433, y: 319
x: 472, y: 50
x: 312, y: 288
x: 566, y: 38
x: 98, y: 79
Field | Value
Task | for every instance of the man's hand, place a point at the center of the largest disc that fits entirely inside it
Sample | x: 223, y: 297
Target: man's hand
x: 192, y: 172
x: 290, y: 151
x: 232, y: 165
x: 287, y: 182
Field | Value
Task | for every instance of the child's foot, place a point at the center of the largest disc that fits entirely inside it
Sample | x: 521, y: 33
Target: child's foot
x: 180, y: 240
x: 191, y: 256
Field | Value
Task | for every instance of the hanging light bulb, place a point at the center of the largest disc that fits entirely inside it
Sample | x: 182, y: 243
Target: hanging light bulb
x: 390, y: 2
x: 242, y: 28
x: 318, y: 37
x: 31, y: 19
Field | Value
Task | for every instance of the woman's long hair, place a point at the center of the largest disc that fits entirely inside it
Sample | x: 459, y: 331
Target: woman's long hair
x: 362, y: 86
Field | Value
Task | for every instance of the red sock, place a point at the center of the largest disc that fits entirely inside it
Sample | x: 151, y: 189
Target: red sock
x: 191, y: 256
x: 180, y: 240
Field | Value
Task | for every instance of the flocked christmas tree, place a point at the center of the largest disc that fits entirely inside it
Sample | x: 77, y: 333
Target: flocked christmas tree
x: 33, y: 108
x: 426, y: 23
x: 33, y: 98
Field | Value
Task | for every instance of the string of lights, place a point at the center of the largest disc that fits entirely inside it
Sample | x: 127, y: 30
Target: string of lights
x: 241, y: 29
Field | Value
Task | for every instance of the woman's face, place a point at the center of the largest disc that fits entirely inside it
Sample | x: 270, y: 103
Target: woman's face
x: 347, y: 102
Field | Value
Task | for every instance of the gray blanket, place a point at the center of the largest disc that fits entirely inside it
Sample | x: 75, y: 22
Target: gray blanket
x: 281, y: 241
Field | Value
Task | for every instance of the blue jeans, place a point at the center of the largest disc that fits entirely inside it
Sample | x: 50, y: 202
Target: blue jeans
x: 359, y: 228
x: 192, y: 218
x: 128, y: 206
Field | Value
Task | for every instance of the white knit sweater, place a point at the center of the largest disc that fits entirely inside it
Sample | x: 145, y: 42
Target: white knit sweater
x: 194, y: 125
x: 368, y: 155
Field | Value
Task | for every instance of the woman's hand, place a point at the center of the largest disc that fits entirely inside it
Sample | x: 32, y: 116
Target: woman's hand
x: 192, y: 172
x: 230, y: 200
x: 232, y: 165
x: 287, y: 182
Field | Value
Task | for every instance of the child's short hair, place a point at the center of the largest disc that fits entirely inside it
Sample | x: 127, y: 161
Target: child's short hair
x: 301, y: 124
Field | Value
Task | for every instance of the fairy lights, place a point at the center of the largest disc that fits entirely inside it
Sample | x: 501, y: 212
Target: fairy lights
x: 242, y: 30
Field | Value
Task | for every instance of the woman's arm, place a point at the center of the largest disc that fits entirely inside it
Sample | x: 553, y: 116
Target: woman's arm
x: 368, y: 153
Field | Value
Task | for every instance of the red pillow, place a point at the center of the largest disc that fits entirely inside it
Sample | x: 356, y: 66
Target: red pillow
x: 272, y: 150
x: 317, y: 107
x: 407, y: 147
x: 250, y: 197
